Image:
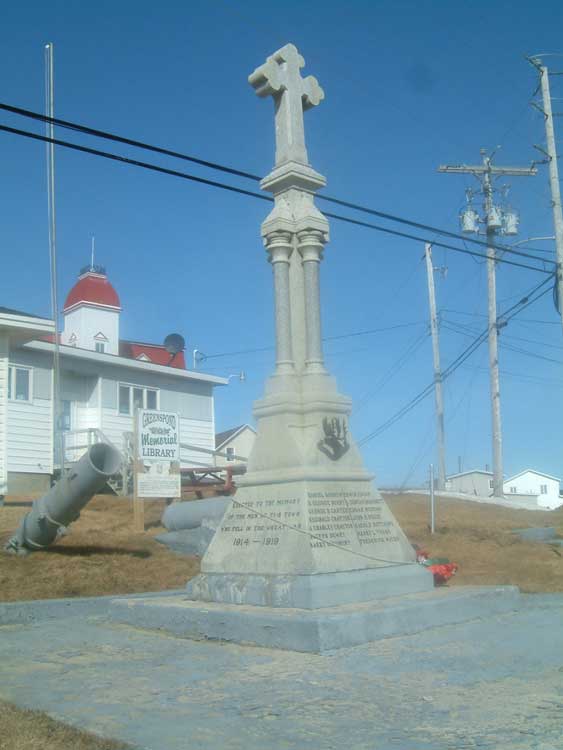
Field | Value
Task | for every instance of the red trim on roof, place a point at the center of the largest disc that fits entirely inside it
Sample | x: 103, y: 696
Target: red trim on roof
x: 93, y: 289
x: 156, y: 353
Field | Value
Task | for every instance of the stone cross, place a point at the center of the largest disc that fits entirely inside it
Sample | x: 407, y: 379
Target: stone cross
x: 280, y: 77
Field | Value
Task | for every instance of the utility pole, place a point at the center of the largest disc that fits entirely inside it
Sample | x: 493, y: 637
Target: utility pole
x: 496, y: 220
x: 440, y: 439
x: 551, y: 155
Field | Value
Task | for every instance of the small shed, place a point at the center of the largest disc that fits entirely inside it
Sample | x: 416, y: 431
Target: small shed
x: 475, y: 482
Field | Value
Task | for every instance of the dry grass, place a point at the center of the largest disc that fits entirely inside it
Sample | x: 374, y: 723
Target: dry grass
x: 100, y: 555
x: 478, y: 537
x: 21, y: 729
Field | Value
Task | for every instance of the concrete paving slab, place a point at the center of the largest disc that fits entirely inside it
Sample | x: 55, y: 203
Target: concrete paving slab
x: 494, y: 683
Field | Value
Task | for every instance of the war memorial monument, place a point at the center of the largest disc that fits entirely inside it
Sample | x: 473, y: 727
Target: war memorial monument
x: 308, y: 555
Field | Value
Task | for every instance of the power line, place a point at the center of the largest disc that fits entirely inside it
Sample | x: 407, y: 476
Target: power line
x: 399, y: 363
x: 509, y: 347
x: 453, y: 366
x: 127, y: 141
x: 260, y: 196
x: 471, y: 329
x: 247, y: 175
x: 327, y: 338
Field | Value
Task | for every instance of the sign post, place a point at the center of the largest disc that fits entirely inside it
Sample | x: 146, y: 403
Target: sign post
x: 156, y: 459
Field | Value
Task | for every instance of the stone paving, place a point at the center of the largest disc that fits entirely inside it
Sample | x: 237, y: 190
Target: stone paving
x: 495, y: 683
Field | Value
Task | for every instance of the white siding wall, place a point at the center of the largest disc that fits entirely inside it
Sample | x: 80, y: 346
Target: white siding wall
x: 193, y: 402
x: 114, y: 425
x: 530, y: 483
x: 86, y: 322
x: 200, y: 433
x: 473, y: 483
x: 3, y: 413
x: 30, y: 436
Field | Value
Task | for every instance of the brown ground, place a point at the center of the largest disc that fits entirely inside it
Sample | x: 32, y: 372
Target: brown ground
x: 478, y: 537
x: 32, y: 730
x: 102, y: 555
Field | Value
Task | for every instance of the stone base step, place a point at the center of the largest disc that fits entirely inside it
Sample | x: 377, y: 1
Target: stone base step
x: 314, y: 631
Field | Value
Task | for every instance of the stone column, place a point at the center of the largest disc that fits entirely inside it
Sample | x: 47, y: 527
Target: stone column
x: 279, y: 247
x: 311, y: 245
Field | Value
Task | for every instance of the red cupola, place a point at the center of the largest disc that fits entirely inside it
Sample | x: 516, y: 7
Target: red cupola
x: 92, y: 288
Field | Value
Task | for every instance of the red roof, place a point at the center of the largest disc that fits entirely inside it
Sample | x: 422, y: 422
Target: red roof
x: 156, y: 353
x: 94, y: 289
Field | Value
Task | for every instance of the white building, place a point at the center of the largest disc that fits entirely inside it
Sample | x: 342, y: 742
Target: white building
x: 102, y: 381
x: 530, y: 482
x: 476, y: 482
x: 236, y: 444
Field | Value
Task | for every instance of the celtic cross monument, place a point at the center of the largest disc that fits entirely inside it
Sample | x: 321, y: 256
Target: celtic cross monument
x: 306, y: 528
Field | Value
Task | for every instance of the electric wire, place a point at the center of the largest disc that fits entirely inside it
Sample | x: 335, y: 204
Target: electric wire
x: 399, y: 363
x: 267, y: 198
x: 236, y: 172
x: 326, y: 338
x: 453, y: 366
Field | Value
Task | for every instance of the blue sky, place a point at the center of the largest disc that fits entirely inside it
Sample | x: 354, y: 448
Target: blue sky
x: 408, y: 85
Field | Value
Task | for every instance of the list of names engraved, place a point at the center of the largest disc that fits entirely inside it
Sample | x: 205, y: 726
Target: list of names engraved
x: 348, y: 517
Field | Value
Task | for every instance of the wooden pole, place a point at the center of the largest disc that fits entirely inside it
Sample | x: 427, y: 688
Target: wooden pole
x: 138, y: 502
x: 440, y: 439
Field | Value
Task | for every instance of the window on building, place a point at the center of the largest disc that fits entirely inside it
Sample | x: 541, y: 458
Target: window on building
x: 543, y: 489
x: 100, y: 341
x: 230, y: 454
x: 491, y: 484
x: 124, y: 399
x: 513, y: 489
x: 19, y: 383
x: 132, y: 397
x: 138, y: 399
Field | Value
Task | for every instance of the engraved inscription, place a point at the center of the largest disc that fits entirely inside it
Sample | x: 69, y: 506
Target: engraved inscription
x: 342, y: 518
x: 260, y: 522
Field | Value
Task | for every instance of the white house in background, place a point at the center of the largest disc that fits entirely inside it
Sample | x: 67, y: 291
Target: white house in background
x: 16, y: 328
x: 530, y: 482
x: 476, y: 482
x: 236, y: 444
x: 103, y: 379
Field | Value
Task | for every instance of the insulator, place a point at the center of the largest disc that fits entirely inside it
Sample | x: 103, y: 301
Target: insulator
x: 511, y: 222
x: 469, y: 220
x: 494, y: 218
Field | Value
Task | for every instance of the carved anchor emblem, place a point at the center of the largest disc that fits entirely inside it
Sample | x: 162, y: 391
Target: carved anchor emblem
x: 335, y: 442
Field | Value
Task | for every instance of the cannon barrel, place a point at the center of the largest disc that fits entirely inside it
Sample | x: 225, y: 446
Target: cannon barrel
x: 64, y: 501
x: 190, y: 514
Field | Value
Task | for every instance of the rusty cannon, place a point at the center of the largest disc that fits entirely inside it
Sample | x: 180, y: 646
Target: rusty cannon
x: 52, y: 513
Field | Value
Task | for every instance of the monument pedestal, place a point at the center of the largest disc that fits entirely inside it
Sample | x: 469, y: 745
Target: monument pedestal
x: 314, y: 630
x: 318, y: 591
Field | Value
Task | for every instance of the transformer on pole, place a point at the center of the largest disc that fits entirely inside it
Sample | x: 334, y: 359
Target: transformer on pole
x: 496, y: 219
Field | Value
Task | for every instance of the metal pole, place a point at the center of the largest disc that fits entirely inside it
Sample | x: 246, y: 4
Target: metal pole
x: 432, y: 502
x: 58, y: 443
x: 437, y: 370
x: 554, y: 182
x: 493, y: 340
